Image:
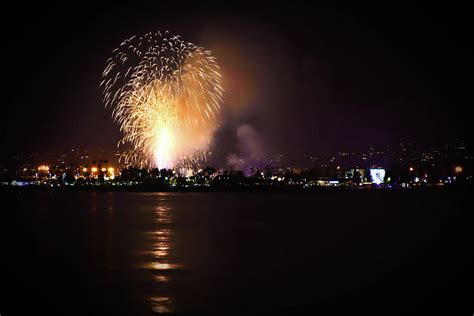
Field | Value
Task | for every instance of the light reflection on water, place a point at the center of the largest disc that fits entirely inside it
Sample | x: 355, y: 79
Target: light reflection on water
x: 159, y: 257
x: 162, y: 278
x: 161, y: 304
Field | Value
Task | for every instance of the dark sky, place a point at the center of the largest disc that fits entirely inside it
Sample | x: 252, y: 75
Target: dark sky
x: 309, y: 78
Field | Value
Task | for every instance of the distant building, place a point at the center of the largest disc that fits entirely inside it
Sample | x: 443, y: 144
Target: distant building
x: 356, y: 172
x: 377, y: 175
x: 297, y: 171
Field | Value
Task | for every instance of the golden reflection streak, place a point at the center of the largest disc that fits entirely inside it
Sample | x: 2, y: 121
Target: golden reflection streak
x: 162, y: 241
x: 161, y: 304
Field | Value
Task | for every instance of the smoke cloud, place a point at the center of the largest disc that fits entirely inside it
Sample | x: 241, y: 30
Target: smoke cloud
x: 249, y: 147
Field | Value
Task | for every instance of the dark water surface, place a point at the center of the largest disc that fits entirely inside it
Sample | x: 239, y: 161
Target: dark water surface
x: 119, y: 253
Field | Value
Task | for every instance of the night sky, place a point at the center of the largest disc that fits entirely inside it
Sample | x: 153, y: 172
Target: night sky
x: 298, y: 77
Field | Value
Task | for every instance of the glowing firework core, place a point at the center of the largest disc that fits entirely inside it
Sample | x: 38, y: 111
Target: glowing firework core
x: 165, y: 94
x: 163, y: 148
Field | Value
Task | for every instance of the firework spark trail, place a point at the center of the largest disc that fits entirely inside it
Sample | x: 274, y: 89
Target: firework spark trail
x: 166, y: 95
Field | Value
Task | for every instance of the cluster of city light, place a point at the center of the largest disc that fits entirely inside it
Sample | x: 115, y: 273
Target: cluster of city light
x: 43, y: 168
x: 100, y: 174
x: 277, y: 178
x: 165, y: 94
x: 109, y: 173
x: 457, y: 169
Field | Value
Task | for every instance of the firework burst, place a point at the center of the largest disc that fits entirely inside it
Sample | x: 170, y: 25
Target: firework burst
x: 166, y: 95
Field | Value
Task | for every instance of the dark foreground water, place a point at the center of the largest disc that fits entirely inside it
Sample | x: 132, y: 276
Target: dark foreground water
x: 119, y: 253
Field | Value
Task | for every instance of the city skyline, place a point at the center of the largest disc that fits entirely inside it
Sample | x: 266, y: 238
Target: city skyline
x: 406, y: 165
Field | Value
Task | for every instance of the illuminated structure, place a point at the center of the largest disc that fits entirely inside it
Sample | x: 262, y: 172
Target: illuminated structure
x: 43, y: 168
x: 377, y: 175
x: 358, y: 173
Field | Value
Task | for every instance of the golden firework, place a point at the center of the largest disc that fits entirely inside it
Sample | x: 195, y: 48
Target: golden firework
x: 166, y: 95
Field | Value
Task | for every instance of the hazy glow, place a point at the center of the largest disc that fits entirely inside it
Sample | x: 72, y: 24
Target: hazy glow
x: 165, y: 94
